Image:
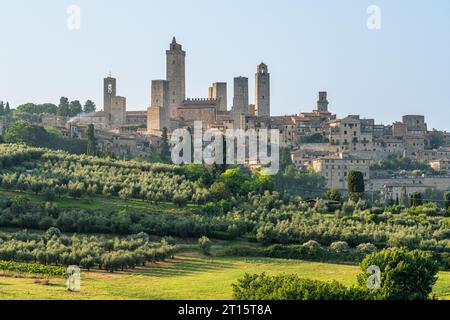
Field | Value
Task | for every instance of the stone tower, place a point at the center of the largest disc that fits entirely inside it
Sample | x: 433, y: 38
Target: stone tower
x: 109, y: 92
x: 118, y: 113
x: 240, y: 100
x: 322, y: 104
x: 262, y: 91
x: 158, y: 113
x: 218, y: 90
x: 176, y: 75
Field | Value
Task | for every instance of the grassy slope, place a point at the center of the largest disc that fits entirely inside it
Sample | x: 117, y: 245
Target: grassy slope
x: 190, y: 276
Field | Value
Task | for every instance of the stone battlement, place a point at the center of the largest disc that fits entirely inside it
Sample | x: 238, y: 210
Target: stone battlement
x: 201, y: 101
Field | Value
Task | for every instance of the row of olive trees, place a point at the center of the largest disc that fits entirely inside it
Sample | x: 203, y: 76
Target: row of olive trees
x: 88, y: 252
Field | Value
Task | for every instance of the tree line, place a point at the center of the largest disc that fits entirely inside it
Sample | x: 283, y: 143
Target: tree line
x: 54, y: 248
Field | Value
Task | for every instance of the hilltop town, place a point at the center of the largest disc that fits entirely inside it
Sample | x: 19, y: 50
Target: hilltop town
x: 318, y: 139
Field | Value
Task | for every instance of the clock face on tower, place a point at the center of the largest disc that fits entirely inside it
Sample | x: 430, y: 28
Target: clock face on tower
x: 110, y: 88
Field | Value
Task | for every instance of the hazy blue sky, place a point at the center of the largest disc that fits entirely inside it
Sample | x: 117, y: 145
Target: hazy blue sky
x: 313, y: 45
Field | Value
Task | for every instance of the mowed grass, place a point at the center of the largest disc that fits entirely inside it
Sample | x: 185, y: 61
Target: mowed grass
x: 189, y: 276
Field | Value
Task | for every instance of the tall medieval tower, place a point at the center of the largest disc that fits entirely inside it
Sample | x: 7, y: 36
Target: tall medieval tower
x: 262, y: 91
x: 109, y: 92
x: 176, y: 75
x: 240, y: 99
x: 322, y: 104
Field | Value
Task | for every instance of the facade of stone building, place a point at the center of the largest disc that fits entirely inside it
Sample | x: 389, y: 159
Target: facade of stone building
x: 347, y: 134
x: 336, y: 168
x: 136, y: 118
x: 240, y: 98
x: 118, y: 113
x: 441, y: 165
x: 218, y: 91
x: 204, y: 110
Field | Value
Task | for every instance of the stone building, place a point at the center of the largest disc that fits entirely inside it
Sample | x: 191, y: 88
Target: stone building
x: 159, y: 110
x: 441, y: 165
x: 218, y: 91
x: 118, y: 113
x: 204, y: 110
x: 109, y: 91
x: 240, y: 98
x: 262, y: 91
x: 176, y: 76
x: 322, y: 104
x: 348, y: 134
x: 415, y: 125
x: 136, y: 118
x: 336, y: 168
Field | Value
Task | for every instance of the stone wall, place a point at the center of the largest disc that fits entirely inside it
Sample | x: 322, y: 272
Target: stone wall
x: 438, y: 183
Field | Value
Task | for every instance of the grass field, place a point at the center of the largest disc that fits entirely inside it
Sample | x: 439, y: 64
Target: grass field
x: 189, y: 276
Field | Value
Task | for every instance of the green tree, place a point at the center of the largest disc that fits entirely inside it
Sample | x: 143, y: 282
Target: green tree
x: 219, y: 191
x: 64, y: 107
x: 436, y: 139
x: 75, y: 108
x: 405, y: 275
x: 22, y: 132
x: 355, y: 184
x: 447, y: 199
x: 164, y: 148
x: 333, y: 195
x: 416, y: 199
x: 404, y: 201
x: 205, y: 245
x: 2, y: 108
x: 285, y: 159
x: 92, y: 142
x: 37, y: 136
x: 292, y: 287
x: 38, y: 109
x: 89, y: 106
x: 7, y: 108
x: 314, y: 138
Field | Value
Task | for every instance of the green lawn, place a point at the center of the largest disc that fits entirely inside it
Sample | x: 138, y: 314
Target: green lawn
x: 189, y: 276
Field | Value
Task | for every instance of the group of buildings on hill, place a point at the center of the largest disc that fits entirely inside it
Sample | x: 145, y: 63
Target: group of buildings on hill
x: 318, y: 139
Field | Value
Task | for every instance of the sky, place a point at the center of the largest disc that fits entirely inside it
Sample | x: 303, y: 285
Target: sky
x: 309, y: 46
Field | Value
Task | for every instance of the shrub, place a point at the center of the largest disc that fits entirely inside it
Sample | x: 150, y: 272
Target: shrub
x: 51, y: 271
x: 405, y: 275
x: 291, y: 287
x: 53, y: 232
x: 416, y: 199
x: 340, y: 247
x: 205, y: 245
x: 447, y: 199
x: 367, y: 248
